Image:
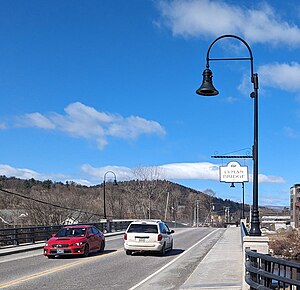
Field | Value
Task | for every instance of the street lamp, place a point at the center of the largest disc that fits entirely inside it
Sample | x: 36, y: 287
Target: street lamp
x: 243, y: 204
x: 115, y: 182
x: 207, y: 89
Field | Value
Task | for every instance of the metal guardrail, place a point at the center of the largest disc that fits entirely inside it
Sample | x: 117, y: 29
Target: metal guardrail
x: 22, y: 235
x: 264, y: 272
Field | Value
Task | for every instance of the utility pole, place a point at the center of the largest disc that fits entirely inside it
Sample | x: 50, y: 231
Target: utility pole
x: 212, y: 213
x: 197, y: 211
x: 166, y: 210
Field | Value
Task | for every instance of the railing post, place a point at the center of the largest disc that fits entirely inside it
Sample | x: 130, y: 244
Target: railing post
x: 298, y: 278
x: 33, y: 235
x: 259, y: 244
x: 108, y: 226
x: 16, y: 237
x: 268, y: 267
x: 254, y: 263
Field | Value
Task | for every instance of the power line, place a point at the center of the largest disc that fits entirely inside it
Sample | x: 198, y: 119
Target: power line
x: 48, y: 203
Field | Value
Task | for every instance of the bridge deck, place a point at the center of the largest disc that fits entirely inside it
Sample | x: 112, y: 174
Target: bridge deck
x: 220, y: 269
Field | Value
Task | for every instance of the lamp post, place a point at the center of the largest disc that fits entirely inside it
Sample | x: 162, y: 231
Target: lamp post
x: 207, y: 89
x: 104, y: 199
x: 243, y: 204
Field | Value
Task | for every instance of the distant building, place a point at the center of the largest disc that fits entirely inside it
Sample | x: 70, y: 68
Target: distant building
x: 295, y: 205
x: 70, y: 221
x: 275, y: 223
x: 13, y: 217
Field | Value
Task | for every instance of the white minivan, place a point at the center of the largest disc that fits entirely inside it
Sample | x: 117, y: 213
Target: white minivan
x: 148, y: 235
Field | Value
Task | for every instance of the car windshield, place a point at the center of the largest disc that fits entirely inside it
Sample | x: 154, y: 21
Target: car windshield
x: 141, y: 228
x: 71, y: 232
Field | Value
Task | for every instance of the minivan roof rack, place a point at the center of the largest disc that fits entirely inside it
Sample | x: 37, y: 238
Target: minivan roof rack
x: 148, y: 220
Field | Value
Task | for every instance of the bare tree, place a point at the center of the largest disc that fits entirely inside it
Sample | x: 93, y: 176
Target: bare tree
x: 147, y: 179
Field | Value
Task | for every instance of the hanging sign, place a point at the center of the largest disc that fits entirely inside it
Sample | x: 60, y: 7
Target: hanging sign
x: 233, y: 172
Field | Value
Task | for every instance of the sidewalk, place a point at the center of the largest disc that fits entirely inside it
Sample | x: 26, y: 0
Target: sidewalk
x: 22, y: 248
x: 222, y: 267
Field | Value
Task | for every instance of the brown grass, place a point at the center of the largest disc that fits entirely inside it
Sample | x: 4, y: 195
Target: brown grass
x: 286, y: 245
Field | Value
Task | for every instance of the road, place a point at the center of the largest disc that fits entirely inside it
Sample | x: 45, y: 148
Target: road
x: 111, y: 269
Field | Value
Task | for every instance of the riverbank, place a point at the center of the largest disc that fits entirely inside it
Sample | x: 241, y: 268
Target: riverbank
x: 285, y: 244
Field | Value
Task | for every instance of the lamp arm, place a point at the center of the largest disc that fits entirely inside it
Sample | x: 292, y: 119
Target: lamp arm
x: 109, y: 172
x: 236, y: 37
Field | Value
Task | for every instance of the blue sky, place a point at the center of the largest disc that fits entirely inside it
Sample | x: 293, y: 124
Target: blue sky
x: 92, y: 86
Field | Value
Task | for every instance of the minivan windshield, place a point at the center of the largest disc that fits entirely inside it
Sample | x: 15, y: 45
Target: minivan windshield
x: 143, y: 228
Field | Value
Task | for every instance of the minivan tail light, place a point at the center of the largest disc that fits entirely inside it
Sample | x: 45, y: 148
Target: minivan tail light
x: 125, y: 236
x: 159, y: 237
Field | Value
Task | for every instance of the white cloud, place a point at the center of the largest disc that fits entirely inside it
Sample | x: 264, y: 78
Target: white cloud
x: 281, y: 75
x: 36, y: 120
x: 274, y: 198
x: 262, y: 178
x: 175, y: 171
x: 200, y: 170
x: 290, y: 132
x: 86, y: 122
x: 270, y: 179
x: 194, y: 18
x: 25, y: 173
x: 246, y: 87
x: 172, y: 171
x: 231, y: 100
x: 2, y: 126
x: 122, y: 172
x: 133, y: 126
x: 81, y: 182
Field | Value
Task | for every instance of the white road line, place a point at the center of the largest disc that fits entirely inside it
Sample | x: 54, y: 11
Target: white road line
x: 171, y: 262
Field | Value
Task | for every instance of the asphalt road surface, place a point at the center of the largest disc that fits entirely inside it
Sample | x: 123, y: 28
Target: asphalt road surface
x: 112, y: 269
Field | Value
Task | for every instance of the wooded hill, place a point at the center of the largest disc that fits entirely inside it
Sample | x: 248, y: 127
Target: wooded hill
x: 33, y: 202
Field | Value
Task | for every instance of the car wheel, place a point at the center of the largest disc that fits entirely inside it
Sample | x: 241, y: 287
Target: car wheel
x: 163, y: 250
x: 128, y: 252
x: 86, y: 250
x: 102, y: 246
x: 50, y: 257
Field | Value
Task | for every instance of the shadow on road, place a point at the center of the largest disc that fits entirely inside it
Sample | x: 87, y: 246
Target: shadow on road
x: 174, y: 252
x: 105, y: 252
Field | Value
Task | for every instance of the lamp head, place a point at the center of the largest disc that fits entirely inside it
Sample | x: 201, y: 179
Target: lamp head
x: 207, y: 88
x: 232, y: 184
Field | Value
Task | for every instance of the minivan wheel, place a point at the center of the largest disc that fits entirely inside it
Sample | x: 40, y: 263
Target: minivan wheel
x: 171, y: 247
x: 128, y: 252
x: 163, y: 250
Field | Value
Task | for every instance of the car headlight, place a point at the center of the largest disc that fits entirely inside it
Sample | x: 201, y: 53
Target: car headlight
x: 77, y: 244
x: 47, y: 245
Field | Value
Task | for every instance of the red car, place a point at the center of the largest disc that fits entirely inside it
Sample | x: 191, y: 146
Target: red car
x: 75, y: 240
